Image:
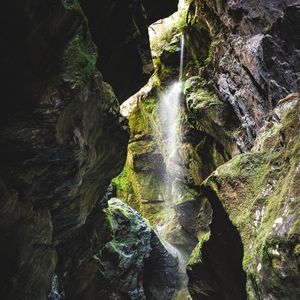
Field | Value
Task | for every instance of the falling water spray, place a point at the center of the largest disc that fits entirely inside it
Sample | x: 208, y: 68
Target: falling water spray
x: 169, y: 119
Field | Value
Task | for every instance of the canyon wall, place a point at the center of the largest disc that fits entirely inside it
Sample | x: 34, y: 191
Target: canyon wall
x: 238, y: 150
x: 62, y: 137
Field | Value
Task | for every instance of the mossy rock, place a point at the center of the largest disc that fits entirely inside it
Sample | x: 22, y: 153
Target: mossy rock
x: 260, y: 192
x: 126, y: 261
x: 209, y: 114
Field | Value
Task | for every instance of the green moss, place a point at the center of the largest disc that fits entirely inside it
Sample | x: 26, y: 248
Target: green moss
x: 297, y: 251
x: 108, y: 224
x: 196, y: 255
x: 211, y: 52
x: 200, y: 98
x: 207, y: 113
x: 167, y: 35
x: 143, y: 120
x: 267, y: 28
x: 79, y: 60
x: 141, y: 183
x: 123, y: 184
x: 72, y: 5
x: 137, y: 185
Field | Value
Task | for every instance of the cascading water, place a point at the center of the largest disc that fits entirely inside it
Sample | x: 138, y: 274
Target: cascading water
x: 169, y: 111
x: 169, y: 115
x: 169, y: 120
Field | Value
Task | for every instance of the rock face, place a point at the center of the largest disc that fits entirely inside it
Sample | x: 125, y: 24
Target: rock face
x: 250, y: 56
x: 62, y: 140
x: 122, y: 258
x: 242, y: 57
x: 253, y: 56
x: 259, y: 191
x: 206, y: 123
x: 132, y: 263
x: 141, y: 184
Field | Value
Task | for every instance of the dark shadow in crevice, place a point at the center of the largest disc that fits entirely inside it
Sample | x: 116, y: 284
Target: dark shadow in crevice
x: 219, y: 275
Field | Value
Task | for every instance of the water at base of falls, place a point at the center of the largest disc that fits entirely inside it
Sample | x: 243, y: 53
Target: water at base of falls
x: 181, y: 292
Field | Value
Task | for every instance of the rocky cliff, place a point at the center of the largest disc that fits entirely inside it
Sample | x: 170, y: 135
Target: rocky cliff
x: 66, y: 65
x: 252, y: 64
x: 129, y: 261
x: 253, y: 53
x: 238, y: 152
x: 255, y: 220
x: 62, y: 137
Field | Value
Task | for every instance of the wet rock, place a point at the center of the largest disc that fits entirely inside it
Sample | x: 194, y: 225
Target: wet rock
x: 258, y: 193
x: 161, y: 271
x: 170, y: 55
x: 121, y: 260
x: 56, y: 292
x: 141, y: 184
x: 282, y: 53
x: 135, y: 262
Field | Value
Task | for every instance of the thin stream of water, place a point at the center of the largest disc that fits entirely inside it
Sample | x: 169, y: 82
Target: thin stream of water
x: 181, y: 58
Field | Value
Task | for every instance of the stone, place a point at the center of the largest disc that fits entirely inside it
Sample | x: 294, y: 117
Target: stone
x: 62, y: 140
x: 135, y: 262
x: 258, y: 193
x: 248, y: 54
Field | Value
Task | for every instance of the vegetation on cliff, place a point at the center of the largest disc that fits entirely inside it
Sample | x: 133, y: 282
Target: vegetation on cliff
x: 246, y: 200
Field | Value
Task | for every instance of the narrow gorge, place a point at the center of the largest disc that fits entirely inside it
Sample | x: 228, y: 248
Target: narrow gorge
x: 150, y: 150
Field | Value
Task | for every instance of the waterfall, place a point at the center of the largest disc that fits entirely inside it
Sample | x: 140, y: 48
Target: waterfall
x: 56, y: 293
x: 169, y: 110
x: 181, y: 57
x: 169, y: 120
x: 169, y: 116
